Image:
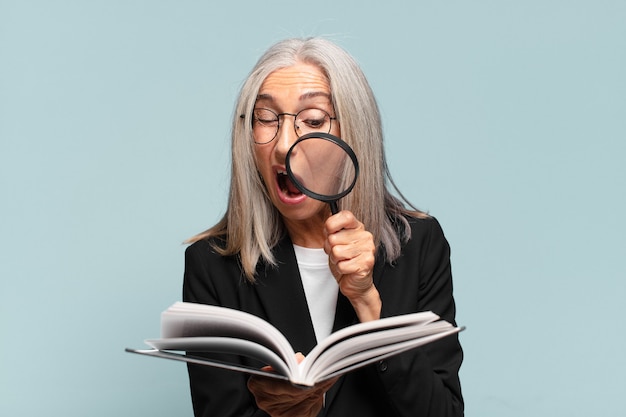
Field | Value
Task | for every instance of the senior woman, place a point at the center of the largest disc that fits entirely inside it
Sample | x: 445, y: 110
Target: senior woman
x: 283, y: 256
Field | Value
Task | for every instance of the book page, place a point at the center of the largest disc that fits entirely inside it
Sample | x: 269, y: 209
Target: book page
x: 166, y: 354
x: 364, y: 358
x: 357, y: 349
x: 368, y: 327
x: 223, y: 345
x: 199, y: 320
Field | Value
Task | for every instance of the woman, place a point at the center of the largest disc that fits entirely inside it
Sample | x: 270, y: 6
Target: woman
x: 282, y: 256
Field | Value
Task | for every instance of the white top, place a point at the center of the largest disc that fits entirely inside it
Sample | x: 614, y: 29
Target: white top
x: 320, y: 287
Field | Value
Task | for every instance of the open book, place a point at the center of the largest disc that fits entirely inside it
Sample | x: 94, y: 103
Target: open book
x: 187, y: 328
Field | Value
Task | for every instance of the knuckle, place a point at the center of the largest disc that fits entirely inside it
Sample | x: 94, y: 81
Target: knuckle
x: 348, y: 215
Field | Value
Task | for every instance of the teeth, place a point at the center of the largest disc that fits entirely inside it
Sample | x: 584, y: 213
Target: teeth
x: 281, y: 172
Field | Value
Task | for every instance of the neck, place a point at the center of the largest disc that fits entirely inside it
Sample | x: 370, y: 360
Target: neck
x: 308, y: 233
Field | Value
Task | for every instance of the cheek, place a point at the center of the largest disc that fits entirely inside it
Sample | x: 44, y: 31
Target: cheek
x: 262, y: 160
x: 260, y: 157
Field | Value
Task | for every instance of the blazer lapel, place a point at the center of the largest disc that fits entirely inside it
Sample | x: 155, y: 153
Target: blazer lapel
x: 282, y: 296
x: 346, y: 316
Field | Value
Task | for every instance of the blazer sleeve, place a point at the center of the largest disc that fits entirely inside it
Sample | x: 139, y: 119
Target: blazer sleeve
x: 423, y: 382
x: 215, y: 392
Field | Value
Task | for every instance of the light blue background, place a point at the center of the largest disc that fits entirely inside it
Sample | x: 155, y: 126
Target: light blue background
x: 506, y: 120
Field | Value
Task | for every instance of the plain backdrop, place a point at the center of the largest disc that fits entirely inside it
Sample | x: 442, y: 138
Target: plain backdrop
x: 505, y: 120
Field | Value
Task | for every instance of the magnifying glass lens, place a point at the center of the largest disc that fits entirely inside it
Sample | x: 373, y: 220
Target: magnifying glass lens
x: 322, y: 166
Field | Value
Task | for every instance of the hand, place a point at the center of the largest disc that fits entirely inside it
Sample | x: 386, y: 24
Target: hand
x: 351, y: 256
x: 281, y: 399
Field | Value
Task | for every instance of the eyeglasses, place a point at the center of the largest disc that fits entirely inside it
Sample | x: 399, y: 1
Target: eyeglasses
x: 266, y: 123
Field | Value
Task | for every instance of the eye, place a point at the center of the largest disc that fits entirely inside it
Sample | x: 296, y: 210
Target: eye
x: 266, y: 122
x: 313, y: 119
x: 314, y: 123
x: 265, y: 117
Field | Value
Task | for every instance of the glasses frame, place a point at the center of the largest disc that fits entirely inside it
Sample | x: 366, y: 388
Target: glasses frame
x: 295, y: 126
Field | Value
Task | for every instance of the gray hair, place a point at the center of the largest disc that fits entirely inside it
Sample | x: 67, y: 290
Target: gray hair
x: 252, y: 226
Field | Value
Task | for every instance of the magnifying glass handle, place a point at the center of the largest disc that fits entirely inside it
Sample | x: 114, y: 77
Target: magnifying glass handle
x: 333, y: 207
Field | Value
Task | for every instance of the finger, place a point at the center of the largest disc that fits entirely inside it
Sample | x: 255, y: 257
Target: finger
x: 343, y: 220
x: 363, y: 249
x: 360, y: 278
x: 326, y: 384
x: 352, y: 257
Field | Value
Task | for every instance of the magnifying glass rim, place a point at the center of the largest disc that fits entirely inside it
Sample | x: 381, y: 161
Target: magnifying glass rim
x: 337, y: 141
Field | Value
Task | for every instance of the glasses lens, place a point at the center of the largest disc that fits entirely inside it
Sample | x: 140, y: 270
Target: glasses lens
x: 312, y: 120
x: 264, y: 125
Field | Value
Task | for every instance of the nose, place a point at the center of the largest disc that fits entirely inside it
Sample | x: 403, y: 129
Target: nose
x: 286, y: 136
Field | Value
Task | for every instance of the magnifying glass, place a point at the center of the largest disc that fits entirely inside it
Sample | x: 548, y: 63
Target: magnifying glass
x: 323, y: 167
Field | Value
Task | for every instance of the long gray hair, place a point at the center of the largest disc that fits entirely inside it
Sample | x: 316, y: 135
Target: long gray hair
x: 252, y: 226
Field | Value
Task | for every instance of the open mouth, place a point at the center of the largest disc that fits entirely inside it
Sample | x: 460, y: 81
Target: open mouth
x: 286, y: 185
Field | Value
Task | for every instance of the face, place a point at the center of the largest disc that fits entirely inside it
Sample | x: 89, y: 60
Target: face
x: 290, y: 90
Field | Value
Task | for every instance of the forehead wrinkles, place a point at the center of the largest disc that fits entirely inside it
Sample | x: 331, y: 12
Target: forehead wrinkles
x: 301, y: 80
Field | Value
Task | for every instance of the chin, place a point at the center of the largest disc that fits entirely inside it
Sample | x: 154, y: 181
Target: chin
x: 304, y: 211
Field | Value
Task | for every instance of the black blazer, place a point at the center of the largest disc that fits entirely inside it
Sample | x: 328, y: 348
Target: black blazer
x: 422, y: 382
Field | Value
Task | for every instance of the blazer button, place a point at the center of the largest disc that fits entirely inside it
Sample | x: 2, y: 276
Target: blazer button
x: 382, y: 366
